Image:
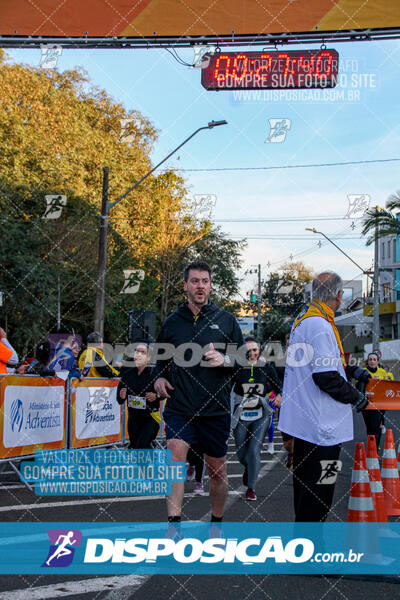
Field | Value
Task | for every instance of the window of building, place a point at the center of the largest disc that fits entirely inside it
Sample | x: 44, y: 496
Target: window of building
x: 383, y: 249
x: 388, y: 249
x: 386, y: 292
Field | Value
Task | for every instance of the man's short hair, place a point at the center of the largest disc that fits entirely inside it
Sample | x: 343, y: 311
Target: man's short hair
x: 196, y: 265
x: 326, y: 286
x: 94, y: 338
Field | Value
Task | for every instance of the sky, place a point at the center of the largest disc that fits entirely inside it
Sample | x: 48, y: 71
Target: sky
x: 356, y: 121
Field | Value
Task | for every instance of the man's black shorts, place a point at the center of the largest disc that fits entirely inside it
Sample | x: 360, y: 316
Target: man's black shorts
x: 210, y: 433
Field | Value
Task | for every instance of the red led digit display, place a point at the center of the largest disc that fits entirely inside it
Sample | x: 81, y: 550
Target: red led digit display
x: 270, y: 70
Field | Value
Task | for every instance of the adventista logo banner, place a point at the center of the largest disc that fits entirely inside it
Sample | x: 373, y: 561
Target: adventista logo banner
x: 97, y: 412
x: 33, y: 415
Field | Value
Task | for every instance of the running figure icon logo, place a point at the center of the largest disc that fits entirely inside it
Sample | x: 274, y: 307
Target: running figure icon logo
x: 54, y: 206
x: 330, y: 470
x: 278, y: 129
x: 358, y: 205
x: 61, y: 553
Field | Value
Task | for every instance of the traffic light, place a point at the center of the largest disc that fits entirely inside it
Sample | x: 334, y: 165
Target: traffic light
x: 253, y: 297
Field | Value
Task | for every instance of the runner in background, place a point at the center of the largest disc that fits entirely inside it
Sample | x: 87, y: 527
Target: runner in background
x: 136, y: 387
x: 252, y: 414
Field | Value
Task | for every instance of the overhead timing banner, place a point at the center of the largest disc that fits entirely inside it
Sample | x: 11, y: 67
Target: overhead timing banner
x: 159, y: 18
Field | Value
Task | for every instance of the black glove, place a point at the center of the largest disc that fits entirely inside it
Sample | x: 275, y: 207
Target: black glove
x: 361, y: 403
x: 362, y: 375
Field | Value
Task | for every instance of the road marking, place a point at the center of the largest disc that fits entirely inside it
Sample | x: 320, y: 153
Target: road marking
x: 84, y: 586
x: 124, y: 586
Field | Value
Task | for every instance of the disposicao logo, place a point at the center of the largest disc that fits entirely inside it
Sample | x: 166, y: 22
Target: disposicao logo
x: 191, y: 550
x: 62, y: 547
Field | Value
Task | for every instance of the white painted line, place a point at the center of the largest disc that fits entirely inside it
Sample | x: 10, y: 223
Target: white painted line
x: 13, y: 486
x: 79, y: 502
x: 84, y: 586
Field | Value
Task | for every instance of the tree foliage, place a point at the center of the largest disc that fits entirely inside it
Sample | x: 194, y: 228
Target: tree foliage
x: 57, y: 131
x: 380, y: 222
x: 282, y: 298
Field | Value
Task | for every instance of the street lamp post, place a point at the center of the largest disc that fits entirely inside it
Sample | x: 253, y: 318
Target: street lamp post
x: 106, y: 206
x: 375, y: 323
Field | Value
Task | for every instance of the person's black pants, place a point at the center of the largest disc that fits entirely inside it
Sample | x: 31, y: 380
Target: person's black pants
x: 195, y: 458
x: 142, y: 430
x: 315, y: 470
x: 373, y: 420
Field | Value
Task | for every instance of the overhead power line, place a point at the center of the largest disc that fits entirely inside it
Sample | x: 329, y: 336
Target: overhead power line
x: 305, y: 166
x: 285, y: 219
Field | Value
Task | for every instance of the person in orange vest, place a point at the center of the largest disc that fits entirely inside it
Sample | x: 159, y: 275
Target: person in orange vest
x: 7, y: 353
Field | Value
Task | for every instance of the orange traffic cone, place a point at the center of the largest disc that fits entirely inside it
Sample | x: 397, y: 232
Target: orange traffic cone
x: 375, y: 480
x: 361, y: 505
x: 390, y: 476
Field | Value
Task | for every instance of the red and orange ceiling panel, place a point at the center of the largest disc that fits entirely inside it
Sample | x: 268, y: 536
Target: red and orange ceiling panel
x: 138, y: 18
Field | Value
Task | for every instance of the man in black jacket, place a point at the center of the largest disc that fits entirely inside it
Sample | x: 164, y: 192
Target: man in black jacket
x: 196, y: 381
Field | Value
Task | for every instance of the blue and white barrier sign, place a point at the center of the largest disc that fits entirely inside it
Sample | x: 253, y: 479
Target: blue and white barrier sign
x: 248, y: 548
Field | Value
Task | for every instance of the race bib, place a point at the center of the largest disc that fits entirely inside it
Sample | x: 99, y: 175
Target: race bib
x: 137, y: 402
x: 251, y: 415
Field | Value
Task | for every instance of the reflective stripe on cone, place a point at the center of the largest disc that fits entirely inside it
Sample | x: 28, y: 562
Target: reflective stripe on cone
x: 361, y: 505
x: 390, y: 476
x: 375, y: 480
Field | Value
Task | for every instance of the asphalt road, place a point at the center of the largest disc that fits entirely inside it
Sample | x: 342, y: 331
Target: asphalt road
x: 274, y: 504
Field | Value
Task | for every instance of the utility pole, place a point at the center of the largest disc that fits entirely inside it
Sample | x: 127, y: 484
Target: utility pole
x: 259, y: 307
x: 58, y: 302
x: 375, y: 322
x: 106, y: 206
x: 102, y: 260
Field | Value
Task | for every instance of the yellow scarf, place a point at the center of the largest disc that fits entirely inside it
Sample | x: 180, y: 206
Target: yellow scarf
x: 316, y: 308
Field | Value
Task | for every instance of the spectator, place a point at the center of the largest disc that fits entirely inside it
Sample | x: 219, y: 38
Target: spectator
x: 92, y: 361
x: 8, y: 355
x: 36, y: 364
x: 64, y: 359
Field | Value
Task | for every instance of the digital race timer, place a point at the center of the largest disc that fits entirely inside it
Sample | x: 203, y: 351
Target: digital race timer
x: 270, y: 70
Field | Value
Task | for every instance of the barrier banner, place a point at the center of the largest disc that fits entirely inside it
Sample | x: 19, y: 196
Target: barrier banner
x: 96, y: 414
x: 32, y: 414
x: 383, y: 394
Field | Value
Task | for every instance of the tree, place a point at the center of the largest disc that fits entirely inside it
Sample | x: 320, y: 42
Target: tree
x: 380, y: 222
x: 282, y: 298
x: 57, y: 131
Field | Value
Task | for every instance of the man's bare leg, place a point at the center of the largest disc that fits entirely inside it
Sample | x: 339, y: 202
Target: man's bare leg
x: 179, y: 450
x: 218, y: 483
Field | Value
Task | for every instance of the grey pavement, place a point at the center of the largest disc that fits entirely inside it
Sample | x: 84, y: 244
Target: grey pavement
x: 274, y: 503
